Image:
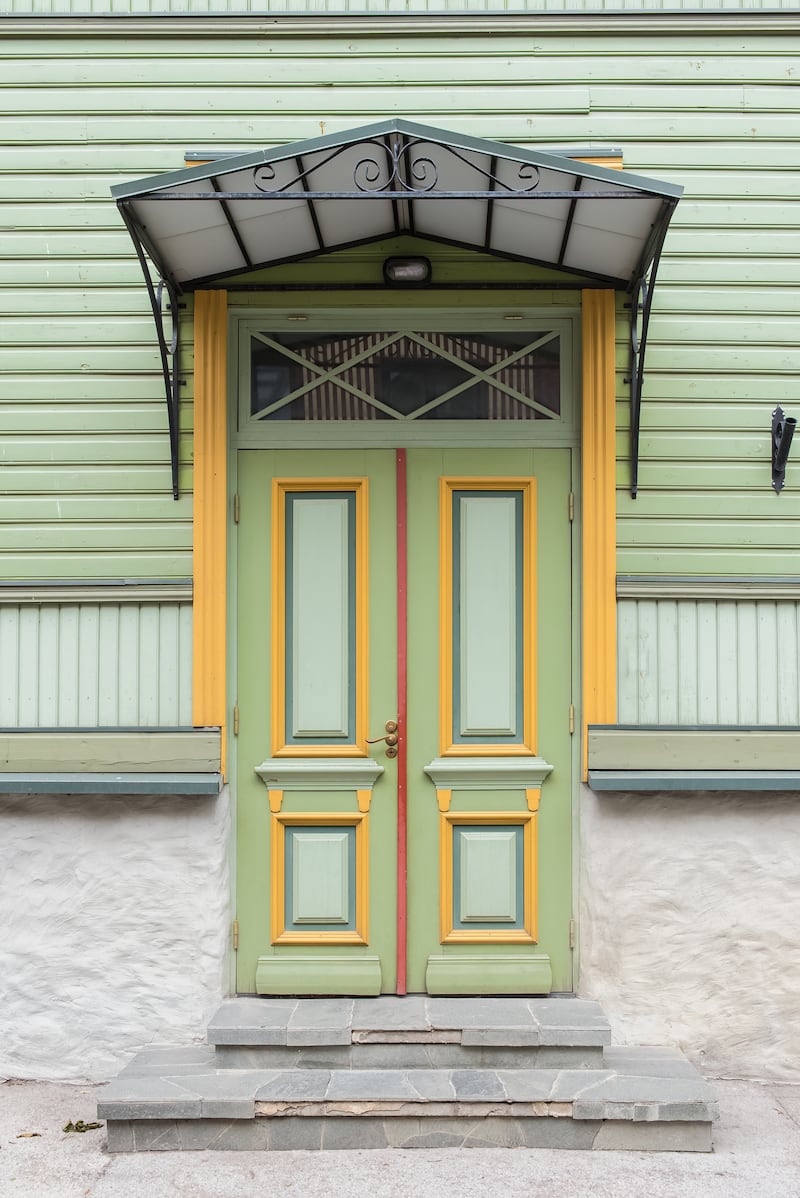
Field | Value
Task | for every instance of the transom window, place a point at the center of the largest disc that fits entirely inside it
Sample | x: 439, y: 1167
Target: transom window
x: 405, y: 376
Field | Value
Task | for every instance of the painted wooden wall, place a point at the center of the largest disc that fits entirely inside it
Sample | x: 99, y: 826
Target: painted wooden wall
x: 111, y: 664
x: 84, y: 448
x: 708, y: 661
x: 391, y: 7
x: 83, y: 444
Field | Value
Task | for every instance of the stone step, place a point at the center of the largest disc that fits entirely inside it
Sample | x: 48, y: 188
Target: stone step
x: 416, y: 1031
x: 647, y: 1099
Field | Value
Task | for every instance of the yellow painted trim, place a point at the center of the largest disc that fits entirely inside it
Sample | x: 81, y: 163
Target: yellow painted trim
x: 279, y: 932
x: 612, y: 161
x: 280, y: 488
x: 532, y: 797
x: 530, y: 868
x: 599, y: 513
x: 527, y: 746
x: 364, y: 799
x: 444, y: 798
x: 275, y: 800
x: 210, y: 512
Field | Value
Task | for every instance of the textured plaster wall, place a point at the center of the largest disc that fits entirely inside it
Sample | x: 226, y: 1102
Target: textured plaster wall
x: 114, y: 928
x: 690, y: 911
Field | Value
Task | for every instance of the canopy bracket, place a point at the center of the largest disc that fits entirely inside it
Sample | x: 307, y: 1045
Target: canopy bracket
x: 168, y: 345
x: 642, y: 291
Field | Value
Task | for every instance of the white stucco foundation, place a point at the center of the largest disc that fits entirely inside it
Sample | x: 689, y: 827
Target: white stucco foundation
x: 115, y: 928
x: 690, y: 925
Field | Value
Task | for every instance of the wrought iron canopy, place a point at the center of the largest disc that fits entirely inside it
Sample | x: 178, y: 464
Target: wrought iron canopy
x: 250, y: 211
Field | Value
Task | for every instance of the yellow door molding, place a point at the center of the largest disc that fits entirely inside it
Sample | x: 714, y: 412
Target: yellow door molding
x: 599, y: 512
x: 210, y: 510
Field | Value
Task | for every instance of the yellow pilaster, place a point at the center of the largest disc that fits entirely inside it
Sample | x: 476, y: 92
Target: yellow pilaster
x: 599, y: 514
x: 210, y: 509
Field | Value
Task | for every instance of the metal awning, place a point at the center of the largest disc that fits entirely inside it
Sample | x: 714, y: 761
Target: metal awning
x: 251, y: 211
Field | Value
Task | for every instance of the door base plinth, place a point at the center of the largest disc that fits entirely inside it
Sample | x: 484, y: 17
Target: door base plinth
x: 489, y: 975
x: 319, y: 975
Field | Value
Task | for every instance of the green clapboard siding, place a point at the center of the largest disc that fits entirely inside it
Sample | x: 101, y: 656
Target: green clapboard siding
x: 389, y: 7
x: 83, y: 445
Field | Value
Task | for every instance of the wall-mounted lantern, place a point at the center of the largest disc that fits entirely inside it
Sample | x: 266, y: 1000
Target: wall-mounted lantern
x: 782, y: 432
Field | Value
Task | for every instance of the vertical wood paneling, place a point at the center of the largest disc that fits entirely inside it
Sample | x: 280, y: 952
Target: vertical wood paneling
x: 689, y: 661
x: 90, y: 665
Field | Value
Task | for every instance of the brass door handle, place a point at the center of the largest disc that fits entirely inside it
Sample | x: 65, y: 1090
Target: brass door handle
x: 391, y: 738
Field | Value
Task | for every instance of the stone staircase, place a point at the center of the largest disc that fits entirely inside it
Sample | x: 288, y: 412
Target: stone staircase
x: 413, y: 1072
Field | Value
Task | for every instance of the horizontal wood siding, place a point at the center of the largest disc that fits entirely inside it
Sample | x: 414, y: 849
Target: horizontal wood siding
x: 95, y: 665
x: 689, y: 661
x: 84, y: 447
x: 389, y: 7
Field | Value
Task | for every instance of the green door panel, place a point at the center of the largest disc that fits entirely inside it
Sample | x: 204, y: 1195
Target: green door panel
x: 288, y: 967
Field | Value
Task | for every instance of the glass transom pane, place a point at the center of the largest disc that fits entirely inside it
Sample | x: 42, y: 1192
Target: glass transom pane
x: 508, y: 375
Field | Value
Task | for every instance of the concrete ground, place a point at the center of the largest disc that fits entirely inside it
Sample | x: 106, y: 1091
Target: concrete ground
x: 757, y: 1155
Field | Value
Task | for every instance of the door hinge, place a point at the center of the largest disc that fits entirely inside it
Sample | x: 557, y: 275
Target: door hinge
x: 571, y: 719
x: 572, y: 933
x: 236, y: 508
x: 571, y: 506
x: 235, y: 932
x: 236, y: 719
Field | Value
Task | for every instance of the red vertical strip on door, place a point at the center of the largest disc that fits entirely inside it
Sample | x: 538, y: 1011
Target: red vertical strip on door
x: 402, y: 711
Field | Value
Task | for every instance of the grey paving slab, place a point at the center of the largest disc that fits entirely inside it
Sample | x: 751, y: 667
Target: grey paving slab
x: 479, y: 1085
x: 354, y: 1133
x: 159, y: 1135
x: 567, y: 1012
x: 664, y: 1062
x: 133, y: 1097
x: 479, y: 1013
x: 277, y: 1056
x: 183, y: 1059
x: 228, y: 1094
x: 390, y: 1013
x: 370, y: 1085
x: 660, y: 1137
x: 294, y: 1135
x: 306, y: 1085
x: 635, y: 1088
x: 251, y: 1021
x: 528, y: 1085
x: 522, y: 1036
x: 579, y: 1136
x: 321, y: 1021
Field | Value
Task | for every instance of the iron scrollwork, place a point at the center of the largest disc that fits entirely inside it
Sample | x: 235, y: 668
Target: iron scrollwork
x: 397, y: 166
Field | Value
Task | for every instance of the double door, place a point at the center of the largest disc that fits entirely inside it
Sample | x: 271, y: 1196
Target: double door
x: 403, y: 769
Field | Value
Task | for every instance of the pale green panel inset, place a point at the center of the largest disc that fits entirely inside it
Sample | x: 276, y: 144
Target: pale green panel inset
x: 321, y: 973
x: 485, y: 973
x: 95, y: 665
x: 320, y: 875
x: 9, y: 666
x: 320, y: 650
x: 488, y: 890
x: 707, y: 661
x: 487, y: 598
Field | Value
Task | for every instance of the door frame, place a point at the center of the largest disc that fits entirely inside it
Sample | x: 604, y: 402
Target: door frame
x: 215, y: 514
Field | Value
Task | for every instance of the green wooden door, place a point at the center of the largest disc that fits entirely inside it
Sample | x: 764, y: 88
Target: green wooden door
x: 487, y: 812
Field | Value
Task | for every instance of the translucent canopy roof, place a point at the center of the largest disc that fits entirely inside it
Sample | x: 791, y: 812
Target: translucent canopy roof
x: 254, y: 210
